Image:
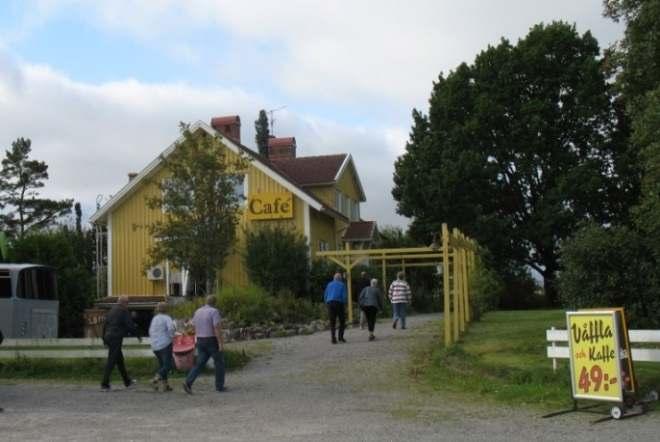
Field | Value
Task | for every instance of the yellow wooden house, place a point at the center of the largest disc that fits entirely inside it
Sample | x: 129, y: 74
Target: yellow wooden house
x: 318, y: 196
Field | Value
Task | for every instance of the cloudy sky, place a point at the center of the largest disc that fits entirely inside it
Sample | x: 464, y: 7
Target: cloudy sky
x: 99, y: 86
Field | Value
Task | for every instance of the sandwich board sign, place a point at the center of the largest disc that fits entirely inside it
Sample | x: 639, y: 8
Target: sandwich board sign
x: 601, y: 366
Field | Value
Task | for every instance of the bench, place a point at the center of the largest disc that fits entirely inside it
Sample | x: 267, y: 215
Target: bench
x: 559, y: 336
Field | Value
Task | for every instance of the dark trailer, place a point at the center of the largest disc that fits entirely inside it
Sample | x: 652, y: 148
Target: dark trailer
x: 28, y: 301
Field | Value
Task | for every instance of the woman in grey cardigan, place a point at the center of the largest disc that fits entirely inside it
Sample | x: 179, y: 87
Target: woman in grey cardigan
x: 371, y: 302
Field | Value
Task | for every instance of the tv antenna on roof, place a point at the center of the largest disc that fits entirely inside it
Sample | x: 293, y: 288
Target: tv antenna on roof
x: 272, y: 118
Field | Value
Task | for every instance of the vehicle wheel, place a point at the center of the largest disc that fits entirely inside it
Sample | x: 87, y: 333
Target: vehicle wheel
x: 616, y: 412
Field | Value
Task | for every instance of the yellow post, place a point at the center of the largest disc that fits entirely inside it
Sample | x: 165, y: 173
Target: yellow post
x: 350, y: 286
x: 459, y: 275
x: 456, y: 288
x: 384, y: 280
x: 466, y: 287
x: 445, y: 285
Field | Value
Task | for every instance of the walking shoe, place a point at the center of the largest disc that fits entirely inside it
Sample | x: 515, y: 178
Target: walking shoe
x: 165, y: 385
x: 155, y: 382
x: 132, y: 383
x: 372, y: 337
x: 105, y: 388
x: 334, y: 340
x: 403, y: 328
x: 221, y: 390
x: 342, y: 340
x: 394, y: 324
x: 187, y: 388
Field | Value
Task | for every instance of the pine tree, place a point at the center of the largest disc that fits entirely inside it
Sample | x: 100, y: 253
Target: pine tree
x: 262, y: 133
x: 20, y: 178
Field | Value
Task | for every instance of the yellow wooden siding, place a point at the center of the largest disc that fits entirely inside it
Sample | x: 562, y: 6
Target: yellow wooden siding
x: 322, y: 227
x: 325, y: 194
x: 130, y: 245
x: 348, y: 184
x: 234, y: 271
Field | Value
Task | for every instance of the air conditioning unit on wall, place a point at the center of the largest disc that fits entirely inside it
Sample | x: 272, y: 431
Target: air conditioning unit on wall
x: 156, y: 273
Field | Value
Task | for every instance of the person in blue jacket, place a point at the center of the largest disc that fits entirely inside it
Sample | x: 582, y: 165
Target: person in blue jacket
x: 335, y: 299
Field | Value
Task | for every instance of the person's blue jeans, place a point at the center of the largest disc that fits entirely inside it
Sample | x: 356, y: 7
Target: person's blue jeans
x: 399, y: 312
x: 208, y: 348
x: 165, y: 361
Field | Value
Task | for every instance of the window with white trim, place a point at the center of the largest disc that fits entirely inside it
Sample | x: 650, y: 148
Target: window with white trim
x: 323, y: 245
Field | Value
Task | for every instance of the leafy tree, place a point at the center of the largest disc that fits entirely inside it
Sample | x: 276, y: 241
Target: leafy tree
x: 20, y: 178
x: 637, y: 58
x: 516, y: 150
x: 71, y: 254
x: 201, y: 209
x: 277, y: 259
x: 262, y: 133
x: 611, y: 266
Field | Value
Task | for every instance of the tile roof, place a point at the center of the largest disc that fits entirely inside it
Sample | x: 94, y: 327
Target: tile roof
x: 307, y: 171
x: 360, y: 231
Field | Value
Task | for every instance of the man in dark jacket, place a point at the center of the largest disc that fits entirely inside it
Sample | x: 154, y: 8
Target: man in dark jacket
x: 2, y: 338
x: 118, y: 324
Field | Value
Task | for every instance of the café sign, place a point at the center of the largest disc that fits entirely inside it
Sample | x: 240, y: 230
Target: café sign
x: 270, y: 205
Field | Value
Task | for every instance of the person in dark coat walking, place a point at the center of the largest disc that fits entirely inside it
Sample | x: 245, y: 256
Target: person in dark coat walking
x: 371, y: 302
x: 118, y: 324
x: 2, y: 338
x: 362, y: 283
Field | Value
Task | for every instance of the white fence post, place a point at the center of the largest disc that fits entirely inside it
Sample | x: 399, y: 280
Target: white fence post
x: 554, y: 360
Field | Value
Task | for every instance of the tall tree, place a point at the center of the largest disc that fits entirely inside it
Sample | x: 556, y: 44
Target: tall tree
x: 262, y: 133
x: 516, y: 150
x: 20, y: 178
x: 201, y: 208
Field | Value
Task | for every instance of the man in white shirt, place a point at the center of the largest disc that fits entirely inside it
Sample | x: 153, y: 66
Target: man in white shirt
x: 161, y: 332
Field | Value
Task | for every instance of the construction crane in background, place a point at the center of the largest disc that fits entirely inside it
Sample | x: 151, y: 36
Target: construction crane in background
x: 271, y: 118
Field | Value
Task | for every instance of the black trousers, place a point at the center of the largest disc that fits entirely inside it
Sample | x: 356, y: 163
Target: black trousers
x: 370, y: 312
x: 115, y: 357
x: 336, y: 310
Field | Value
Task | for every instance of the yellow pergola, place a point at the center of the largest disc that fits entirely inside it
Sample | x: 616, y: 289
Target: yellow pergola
x: 455, y: 256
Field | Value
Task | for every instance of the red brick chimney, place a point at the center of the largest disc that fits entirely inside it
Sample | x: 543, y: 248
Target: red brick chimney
x: 282, y: 148
x: 229, y: 126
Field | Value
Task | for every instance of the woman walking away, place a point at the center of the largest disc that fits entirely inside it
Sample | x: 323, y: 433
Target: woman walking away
x: 400, y: 296
x: 161, y: 332
x: 371, y: 302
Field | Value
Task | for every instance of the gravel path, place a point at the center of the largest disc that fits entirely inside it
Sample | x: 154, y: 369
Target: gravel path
x: 305, y: 389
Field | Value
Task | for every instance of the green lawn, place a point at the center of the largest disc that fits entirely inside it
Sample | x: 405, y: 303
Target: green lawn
x: 503, y: 358
x: 91, y: 370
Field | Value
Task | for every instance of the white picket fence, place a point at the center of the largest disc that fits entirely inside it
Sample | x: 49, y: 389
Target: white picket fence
x: 557, y: 336
x: 72, y: 348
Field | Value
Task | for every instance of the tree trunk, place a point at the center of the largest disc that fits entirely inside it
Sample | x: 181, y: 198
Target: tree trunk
x: 550, y: 288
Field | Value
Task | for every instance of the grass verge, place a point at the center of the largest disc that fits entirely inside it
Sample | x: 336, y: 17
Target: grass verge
x: 503, y: 358
x: 91, y: 370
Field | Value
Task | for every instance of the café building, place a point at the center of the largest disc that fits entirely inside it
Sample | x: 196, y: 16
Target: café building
x: 317, y: 196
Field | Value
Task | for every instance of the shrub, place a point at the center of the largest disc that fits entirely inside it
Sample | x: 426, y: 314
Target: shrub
x: 245, y: 305
x: 277, y: 259
x: 70, y: 253
x: 320, y: 275
x: 252, y: 305
x: 291, y: 310
x: 611, y: 267
x: 485, y: 289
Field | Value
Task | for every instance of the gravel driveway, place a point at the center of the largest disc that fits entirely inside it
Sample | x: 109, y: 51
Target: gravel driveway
x: 305, y: 389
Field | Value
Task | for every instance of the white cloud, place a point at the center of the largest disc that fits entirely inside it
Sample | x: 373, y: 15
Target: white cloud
x: 343, y: 51
x: 91, y: 136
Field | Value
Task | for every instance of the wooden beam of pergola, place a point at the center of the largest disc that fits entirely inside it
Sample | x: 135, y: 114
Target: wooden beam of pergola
x: 455, y: 255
